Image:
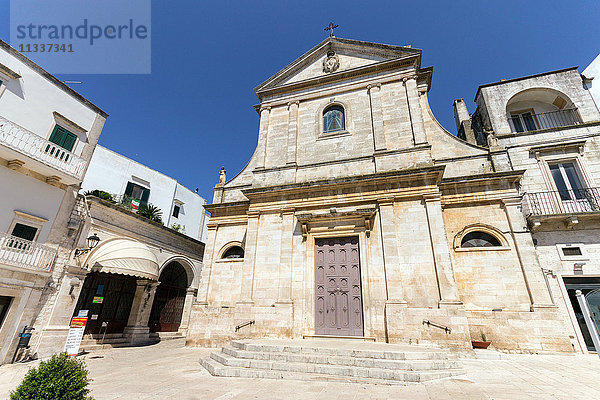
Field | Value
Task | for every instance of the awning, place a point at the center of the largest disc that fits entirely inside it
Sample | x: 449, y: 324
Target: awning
x: 124, y: 256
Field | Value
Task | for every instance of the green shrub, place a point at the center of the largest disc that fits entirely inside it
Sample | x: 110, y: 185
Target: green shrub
x: 59, y: 378
x: 100, y: 194
x: 151, y: 212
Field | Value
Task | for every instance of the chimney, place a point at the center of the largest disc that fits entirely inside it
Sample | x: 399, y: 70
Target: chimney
x: 460, y: 112
x: 463, y: 121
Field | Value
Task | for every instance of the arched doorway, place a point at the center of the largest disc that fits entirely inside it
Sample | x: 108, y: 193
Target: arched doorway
x: 169, y: 299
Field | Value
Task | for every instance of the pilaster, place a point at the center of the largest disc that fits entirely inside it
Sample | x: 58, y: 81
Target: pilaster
x: 246, y: 295
x: 137, y: 329
x: 395, y: 291
x: 441, y: 251
x: 533, y: 277
x: 261, y: 147
x: 292, y: 132
x: 376, y: 116
x: 285, y: 258
x: 416, y: 115
x: 206, y: 274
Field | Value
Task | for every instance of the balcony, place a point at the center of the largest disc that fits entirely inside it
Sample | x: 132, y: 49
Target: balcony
x: 24, y: 254
x: 527, y: 121
x: 568, y: 205
x: 49, y: 158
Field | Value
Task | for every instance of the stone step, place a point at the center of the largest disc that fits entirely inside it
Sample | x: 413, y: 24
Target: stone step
x: 363, y: 362
x: 312, y: 347
x: 105, y: 341
x: 342, y: 360
x: 329, y: 374
x: 167, y: 335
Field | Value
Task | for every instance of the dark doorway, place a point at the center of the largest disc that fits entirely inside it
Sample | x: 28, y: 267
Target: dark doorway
x: 108, y: 298
x: 4, y: 306
x: 338, y: 291
x: 169, y: 299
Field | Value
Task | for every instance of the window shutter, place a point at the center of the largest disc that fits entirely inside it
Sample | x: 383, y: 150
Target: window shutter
x: 129, y: 189
x: 145, y: 196
x: 24, y: 231
x: 63, y: 138
x: 69, y: 141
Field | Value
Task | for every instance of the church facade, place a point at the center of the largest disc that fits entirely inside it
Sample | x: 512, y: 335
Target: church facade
x: 359, y: 215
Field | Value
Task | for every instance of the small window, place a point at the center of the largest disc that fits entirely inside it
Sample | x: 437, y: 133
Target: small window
x: 234, y: 252
x: 176, y: 209
x: 137, y: 193
x: 24, y: 231
x: 479, y: 239
x: 572, y: 251
x: 333, y: 119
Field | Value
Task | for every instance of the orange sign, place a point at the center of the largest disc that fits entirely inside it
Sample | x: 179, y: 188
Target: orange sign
x: 78, y: 322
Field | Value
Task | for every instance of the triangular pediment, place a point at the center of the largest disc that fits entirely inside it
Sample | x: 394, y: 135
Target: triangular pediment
x: 348, y: 54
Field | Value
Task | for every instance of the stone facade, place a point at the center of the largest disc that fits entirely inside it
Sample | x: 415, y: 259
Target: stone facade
x: 393, y: 177
x: 40, y: 181
x: 110, y: 222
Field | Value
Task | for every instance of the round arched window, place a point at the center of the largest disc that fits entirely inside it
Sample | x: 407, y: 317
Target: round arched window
x: 333, y: 119
x: 479, y: 239
x: 234, y: 252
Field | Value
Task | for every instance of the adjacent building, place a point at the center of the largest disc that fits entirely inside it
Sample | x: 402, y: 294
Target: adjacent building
x: 64, y: 254
x: 137, y: 184
x: 359, y: 215
x: 548, y: 126
x: 48, y: 133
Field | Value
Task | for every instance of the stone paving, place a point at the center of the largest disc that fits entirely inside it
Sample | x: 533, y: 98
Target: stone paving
x: 170, y: 371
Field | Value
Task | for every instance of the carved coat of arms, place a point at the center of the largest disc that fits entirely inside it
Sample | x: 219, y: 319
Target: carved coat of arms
x: 331, y: 63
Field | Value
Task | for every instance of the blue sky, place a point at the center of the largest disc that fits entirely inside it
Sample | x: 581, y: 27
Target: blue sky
x: 194, y: 113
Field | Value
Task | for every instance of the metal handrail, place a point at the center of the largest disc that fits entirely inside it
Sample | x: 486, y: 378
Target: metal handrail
x: 28, y: 143
x: 544, y: 120
x: 25, y: 254
x: 237, y: 328
x: 429, y: 323
x: 570, y: 201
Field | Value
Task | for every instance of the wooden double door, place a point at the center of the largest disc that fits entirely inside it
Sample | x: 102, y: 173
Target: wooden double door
x: 169, y: 299
x: 338, y: 289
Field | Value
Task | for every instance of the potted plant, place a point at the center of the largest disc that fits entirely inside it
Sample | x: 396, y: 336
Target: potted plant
x: 481, y: 344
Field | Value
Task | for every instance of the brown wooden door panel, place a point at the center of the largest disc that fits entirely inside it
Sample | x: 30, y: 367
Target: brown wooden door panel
x: 338, y: 293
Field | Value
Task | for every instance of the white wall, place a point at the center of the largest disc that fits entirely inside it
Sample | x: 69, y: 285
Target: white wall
x: 31, y: 100
x: 593, y: 71
x: 29, y: 195
x: 110, y: 172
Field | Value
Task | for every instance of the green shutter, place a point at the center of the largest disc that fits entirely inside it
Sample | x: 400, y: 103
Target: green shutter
x: 145, y: 196
x: 129, y: 189
x: 63, y: 138
x: 24, y: 231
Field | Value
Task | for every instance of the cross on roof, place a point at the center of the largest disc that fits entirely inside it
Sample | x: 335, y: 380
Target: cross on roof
x: 330, y: 28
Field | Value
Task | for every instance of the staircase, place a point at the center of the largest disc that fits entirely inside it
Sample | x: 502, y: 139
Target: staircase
x: 162, y: 336
x: 91, y: 342
x: 331, y: 360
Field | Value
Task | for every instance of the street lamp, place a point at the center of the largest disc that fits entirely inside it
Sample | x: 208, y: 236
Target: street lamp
x: 92, y: 241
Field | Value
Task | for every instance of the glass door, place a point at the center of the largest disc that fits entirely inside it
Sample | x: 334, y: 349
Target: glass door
x: 574, y: 197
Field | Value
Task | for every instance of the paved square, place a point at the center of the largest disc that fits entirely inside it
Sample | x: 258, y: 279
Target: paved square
x: 170, y: 371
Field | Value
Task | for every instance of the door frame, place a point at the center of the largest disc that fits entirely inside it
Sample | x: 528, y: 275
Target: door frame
x: 309, y: 309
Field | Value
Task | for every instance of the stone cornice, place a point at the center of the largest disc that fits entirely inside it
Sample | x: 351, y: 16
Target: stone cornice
x: 389, y: 65
x: 427, y: 173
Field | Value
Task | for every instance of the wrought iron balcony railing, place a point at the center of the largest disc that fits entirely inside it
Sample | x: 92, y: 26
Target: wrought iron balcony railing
x: 25, y: 254
x: 525, y: 122
x: 26, y: 142
x: 562, y: 202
